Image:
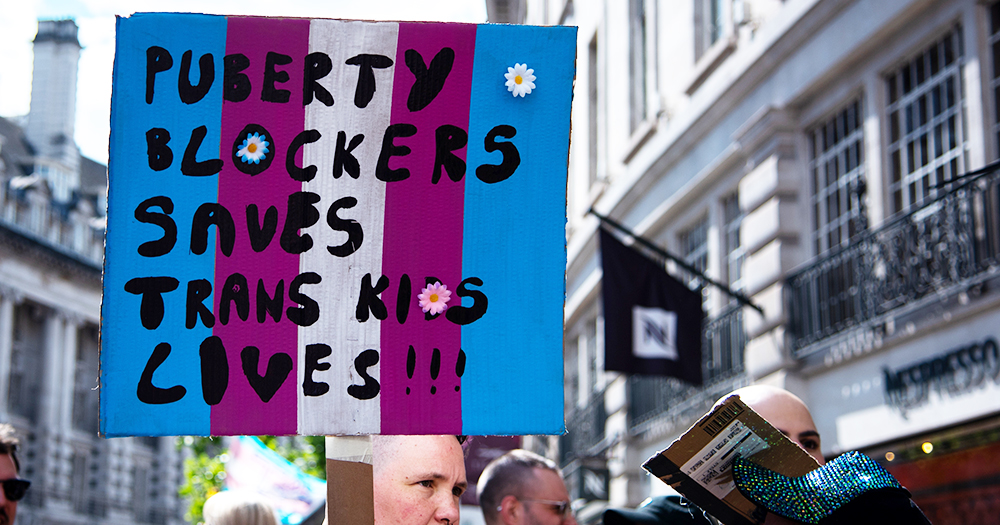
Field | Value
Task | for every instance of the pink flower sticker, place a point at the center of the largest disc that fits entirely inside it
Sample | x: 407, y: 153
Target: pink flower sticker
x: 434, y: 299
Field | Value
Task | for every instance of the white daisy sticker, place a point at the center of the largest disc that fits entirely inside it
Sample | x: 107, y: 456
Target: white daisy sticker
x: 253, y: 149
x: 520, y: 80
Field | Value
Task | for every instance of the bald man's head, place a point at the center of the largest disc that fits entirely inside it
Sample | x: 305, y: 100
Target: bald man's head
x: 785, y: 412
x: 418, y: 480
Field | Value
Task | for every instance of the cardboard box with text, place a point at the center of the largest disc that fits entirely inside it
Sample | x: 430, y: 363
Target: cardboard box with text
x: 698, y: 464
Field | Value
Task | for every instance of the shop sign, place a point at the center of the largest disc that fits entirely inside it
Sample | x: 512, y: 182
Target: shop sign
x: 952, y: 373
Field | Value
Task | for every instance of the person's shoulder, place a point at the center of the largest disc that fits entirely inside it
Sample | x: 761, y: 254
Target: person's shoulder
x: 660, y: 510
x: 682, y: 509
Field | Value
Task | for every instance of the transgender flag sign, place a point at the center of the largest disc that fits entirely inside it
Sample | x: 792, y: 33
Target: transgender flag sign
x: 335, y: 227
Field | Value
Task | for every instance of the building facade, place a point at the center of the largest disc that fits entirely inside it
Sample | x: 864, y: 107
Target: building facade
x: 835, y: 161
x: 52, y: 205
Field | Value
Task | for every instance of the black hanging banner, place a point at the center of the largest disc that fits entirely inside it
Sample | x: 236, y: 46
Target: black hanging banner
x: 652, y: 322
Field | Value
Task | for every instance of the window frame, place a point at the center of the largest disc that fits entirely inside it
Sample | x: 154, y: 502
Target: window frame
x: 733, y: 254
x: 914, y: 130
x: 643, y: 82
x: 849, y: 186
x: 993, y: 80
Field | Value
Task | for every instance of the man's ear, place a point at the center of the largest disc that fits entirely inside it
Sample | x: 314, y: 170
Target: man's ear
x: 511, y: 510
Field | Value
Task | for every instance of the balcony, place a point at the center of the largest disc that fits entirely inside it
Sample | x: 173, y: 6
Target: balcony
x: 947, y: 249
x: 658, y: 401
x: 584, y: 431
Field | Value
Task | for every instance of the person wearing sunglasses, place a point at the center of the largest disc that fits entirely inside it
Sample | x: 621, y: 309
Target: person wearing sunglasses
x: 523, y: 488
x: 14, y: 487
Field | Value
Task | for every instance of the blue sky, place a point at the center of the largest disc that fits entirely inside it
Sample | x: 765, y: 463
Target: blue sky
x: 96, y: 19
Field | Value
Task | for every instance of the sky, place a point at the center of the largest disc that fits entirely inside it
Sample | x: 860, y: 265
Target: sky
x: 96, y: 19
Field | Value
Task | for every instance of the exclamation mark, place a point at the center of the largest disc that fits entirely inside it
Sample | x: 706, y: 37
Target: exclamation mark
x: 460, y: 367
x: 411, y: 365
x: 435, y: 368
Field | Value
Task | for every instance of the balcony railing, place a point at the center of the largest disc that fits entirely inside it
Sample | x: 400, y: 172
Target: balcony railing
x: 722, y: 348
x: 950, y: 243
x: 584, y: 430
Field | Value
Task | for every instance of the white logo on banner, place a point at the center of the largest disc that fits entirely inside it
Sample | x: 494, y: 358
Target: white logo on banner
x: 654, y: 333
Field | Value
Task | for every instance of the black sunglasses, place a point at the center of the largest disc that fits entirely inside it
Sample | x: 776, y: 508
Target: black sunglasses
x: 562, y: 508
x: 14, y: 489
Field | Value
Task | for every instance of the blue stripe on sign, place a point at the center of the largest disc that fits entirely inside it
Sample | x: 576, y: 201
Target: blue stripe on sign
x: 521, y: 334
x: 126, y: 344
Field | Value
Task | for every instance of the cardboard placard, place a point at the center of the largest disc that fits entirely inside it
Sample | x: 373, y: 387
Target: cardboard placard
x: 698, y: 464
x: 349, y: 498
x: 281, y: 190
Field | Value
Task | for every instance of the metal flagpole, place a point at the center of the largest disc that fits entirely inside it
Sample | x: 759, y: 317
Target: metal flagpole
x: 740, y: 297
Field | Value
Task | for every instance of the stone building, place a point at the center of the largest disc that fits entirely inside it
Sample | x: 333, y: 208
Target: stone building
x: 52, y: 205
x: 835, y: 160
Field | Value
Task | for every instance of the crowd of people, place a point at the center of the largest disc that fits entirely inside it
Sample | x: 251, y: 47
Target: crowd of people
x: 419, y: 480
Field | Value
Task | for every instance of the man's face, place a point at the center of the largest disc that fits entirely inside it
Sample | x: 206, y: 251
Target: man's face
x: 547, y: 486
x: 8, y: 509
x: 788, y: 414
x: 418, y: 480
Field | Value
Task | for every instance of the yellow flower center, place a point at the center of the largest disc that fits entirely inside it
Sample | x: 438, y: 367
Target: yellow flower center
x: 252, y: 148
x: 517, y: 79
x: 434, y: 297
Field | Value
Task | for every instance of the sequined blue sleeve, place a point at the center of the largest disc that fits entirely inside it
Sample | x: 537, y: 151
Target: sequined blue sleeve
x: 818, y: 494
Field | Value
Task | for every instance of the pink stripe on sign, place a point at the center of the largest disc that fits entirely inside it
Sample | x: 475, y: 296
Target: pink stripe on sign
x: 267, y: 51
x: 423, y: 226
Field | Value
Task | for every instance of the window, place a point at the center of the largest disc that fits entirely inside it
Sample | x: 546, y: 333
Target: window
x: 590, y: 333
x: 694, y: 246
x: 733, y: 217
x: 59, y: 181
x: 78, y: 486
x: 926, y: 128
x: 592, y: 80
x: 140, y: 492
x: 994, y: 43
x: 708, y: 26
x: 637, y: 63
x: 26, y: 360
x: 837, y: 169
x: 583, y: 366
x: 724, y: 335
x: 694, y: 251
x: 84, y: 480
x: 35, y: 218
x: 837, y: 173
x: 85, y: 398
x: 571, y: 374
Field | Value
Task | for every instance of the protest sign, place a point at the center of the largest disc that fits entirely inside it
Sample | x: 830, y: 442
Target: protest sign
x: 281, y: 192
